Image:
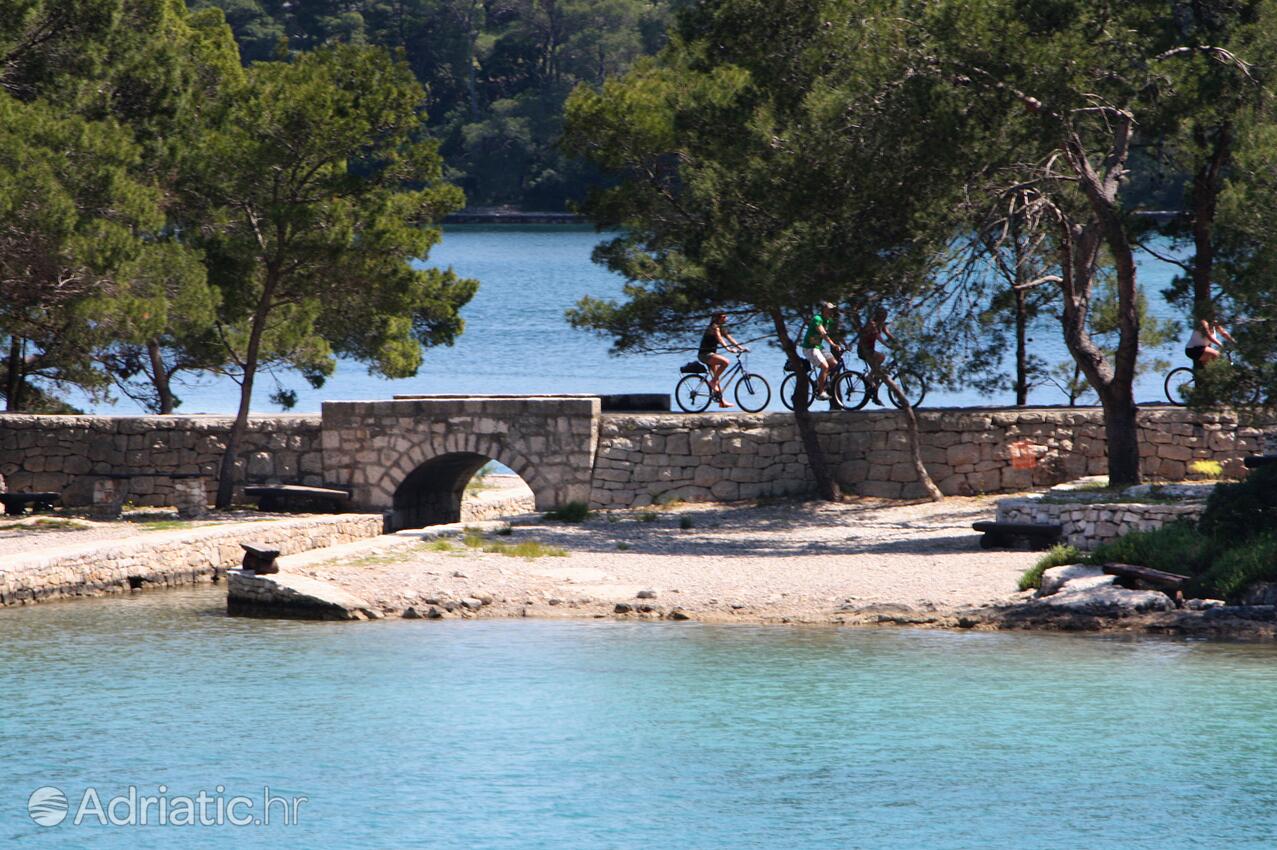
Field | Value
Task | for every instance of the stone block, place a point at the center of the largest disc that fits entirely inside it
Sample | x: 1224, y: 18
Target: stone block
x: 962, y: 453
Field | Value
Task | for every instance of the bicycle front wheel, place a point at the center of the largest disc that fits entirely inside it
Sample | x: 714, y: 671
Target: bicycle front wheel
x: 912, y: 385
x: 752, y: 392
x: 693, y: 394
x: 1179, y: 384
x: 851, y: 390
x: 789, y: 389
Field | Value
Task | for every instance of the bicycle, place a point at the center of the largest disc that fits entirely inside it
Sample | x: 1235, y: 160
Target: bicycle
x: 1180, y: 381
x: 789, y: 386
x: 693, y: 394
x: 852, y: 390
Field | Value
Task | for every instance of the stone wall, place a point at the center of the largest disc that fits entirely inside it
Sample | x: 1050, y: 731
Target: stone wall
x: 1087, y: 525
x: 566, y: 450
x: 642, y: 459
x: 170, y: 558
x: 64, y: 453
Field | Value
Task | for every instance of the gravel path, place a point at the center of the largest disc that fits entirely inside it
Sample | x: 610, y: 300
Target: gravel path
x: 786, y: 561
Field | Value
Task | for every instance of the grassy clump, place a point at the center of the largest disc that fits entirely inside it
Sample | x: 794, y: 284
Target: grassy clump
x: 648, y: 516
x: 1207, y: 468
x: 1239, y: 567
x: 685, y: 522
x: 571, y: 512
x: 1058, y: 556
x: 523, y: 549
x: 1178, y: 547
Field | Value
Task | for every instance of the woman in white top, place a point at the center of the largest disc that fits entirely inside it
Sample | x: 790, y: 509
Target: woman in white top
x: 1203, y: 345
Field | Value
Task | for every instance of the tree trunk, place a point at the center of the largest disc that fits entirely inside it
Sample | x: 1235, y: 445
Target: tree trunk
x: 226, y: 474
x: 160, y: 378
x: 1121, y: 431
x: 1207, y: 183
x: 1115, y: 385
x: 826, y: 486
x: 911, y: 428
x: 1021, y: 348
x: 13, y: 376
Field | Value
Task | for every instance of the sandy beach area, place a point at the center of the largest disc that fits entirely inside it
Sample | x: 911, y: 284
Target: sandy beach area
x: 786, y: 561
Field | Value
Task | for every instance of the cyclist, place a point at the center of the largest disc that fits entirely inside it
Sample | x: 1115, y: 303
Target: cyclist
x: 1199, y: 348
x: 814, y: 339
x: 715, y: 335
x: 873, y: 331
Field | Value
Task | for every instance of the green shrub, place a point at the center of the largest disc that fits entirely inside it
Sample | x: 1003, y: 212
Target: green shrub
x: 685, y: 522
x: 571, y: 512
x: 1237, y: 512
x: 1174, y: 548
x: 1239, y: 567
x: 1058, y: 556
x: 648, y: 516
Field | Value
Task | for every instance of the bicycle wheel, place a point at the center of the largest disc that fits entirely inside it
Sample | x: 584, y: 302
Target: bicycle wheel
x: 914, y: 388
x: 752, y: 392
x: 789, y: 388
x: 1179, y: 383
x: 851, y: 390
x: 693, y: 394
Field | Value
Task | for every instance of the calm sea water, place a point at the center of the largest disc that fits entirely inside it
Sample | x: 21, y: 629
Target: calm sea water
x: 517, y: 340
x: 524, y: 734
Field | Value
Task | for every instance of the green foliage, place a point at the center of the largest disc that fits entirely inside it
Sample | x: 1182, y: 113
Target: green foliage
x: 498, y: 73
x: 685, y: 522
x: 571, y: 512
x: 1239, y: 566
x: 1237, y: 512
x: 1058, y: 556
x: 1174, y: 548
x: 319, y: 260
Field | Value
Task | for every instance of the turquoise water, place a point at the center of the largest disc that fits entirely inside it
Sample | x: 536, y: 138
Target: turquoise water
x: 524, y: 734
x: 517, y: 340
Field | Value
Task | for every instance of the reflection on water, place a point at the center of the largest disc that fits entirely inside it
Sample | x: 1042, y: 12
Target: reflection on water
x: 590, y: 734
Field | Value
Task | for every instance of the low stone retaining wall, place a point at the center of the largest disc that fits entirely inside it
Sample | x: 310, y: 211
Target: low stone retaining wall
x: 1088, y: 524
x: 64, y: 454
x: 167, y: 558
x: 643, y: 459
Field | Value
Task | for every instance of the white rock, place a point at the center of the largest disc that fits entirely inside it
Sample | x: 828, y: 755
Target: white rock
x: 1055, y: 578
x: 1109, y: 599
x: 1203, y: 604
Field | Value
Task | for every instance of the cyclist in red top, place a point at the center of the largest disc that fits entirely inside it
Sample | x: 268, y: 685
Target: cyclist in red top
x: 874, y: 330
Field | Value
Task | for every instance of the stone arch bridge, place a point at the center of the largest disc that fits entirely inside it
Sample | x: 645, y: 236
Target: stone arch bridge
x: 411, y: 458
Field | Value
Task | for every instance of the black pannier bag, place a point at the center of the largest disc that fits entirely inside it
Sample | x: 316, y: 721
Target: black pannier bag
x: 694, y: 368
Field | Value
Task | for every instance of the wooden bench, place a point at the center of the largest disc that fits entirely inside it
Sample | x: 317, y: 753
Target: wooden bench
x: 15, y: 504
x: 1256, y: 461
x: 294, y: 498
x: 1006, y: 535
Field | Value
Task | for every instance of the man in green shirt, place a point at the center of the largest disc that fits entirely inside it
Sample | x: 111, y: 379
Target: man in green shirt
x: 814, y: 339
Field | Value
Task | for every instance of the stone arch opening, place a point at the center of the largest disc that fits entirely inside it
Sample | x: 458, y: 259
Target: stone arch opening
x: 435, y: 492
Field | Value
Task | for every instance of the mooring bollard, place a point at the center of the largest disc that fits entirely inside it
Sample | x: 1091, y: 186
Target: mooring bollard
x: 259, y: 559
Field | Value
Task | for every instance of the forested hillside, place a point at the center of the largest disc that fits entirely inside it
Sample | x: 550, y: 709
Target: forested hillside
x: 498, y: 72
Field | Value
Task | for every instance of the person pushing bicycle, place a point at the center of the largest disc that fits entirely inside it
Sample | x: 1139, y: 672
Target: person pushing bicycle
x: 814, y: 339
x: 716, y: 335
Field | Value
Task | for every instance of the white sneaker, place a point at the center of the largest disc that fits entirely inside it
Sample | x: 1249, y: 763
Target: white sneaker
x: 823, y: 396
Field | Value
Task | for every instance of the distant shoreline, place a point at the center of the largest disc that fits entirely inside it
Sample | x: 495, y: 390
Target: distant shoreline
x: 506, y: 216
